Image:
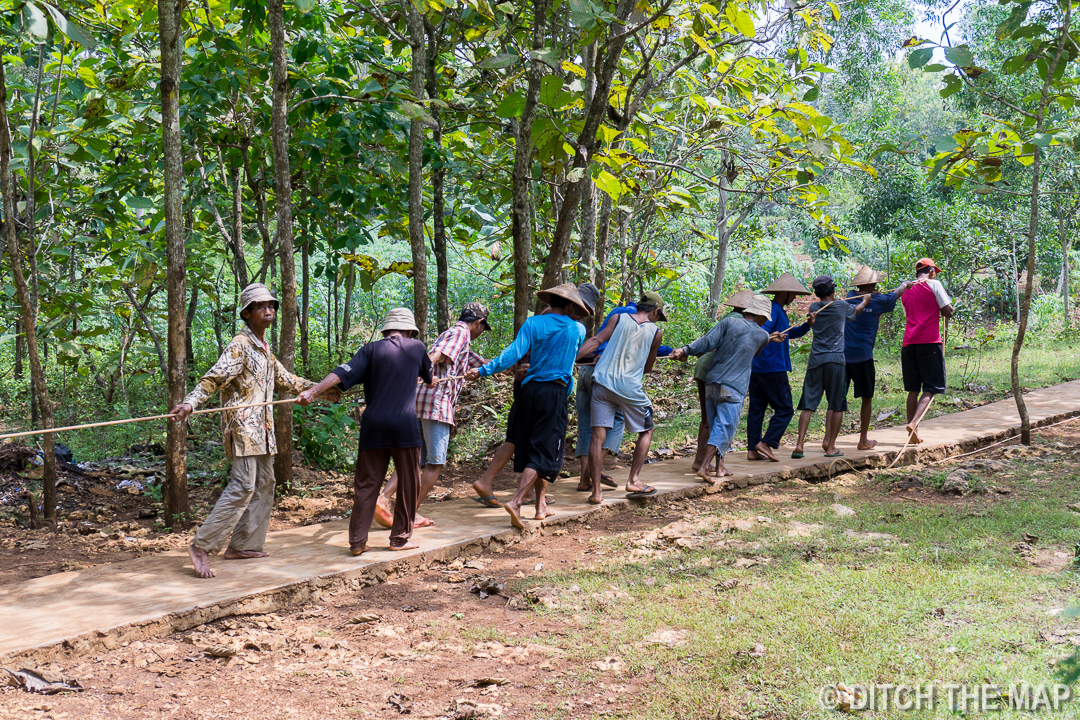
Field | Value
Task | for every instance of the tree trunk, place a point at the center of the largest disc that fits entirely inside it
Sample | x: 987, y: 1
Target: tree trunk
x: 416, y: 171
x: 29, y: 310
x: 438, y: 197
x: 603, y: 250
x: 346, y: 316
x: 163, y: 362
x: 1033, y: 227
x: 189, y: 346
x: 586, y: 143
x: 306, y: 317
x: 1065, y: 270
x: 587, y: 256
x: 240, y: 262
x: 174, y: 493
x: 723, y: 235
x: 20, y: 349
x: 283, y: 195
x: 521, y: 216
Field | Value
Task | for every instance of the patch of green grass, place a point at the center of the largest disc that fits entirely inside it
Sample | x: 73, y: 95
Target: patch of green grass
x: 945, y: 599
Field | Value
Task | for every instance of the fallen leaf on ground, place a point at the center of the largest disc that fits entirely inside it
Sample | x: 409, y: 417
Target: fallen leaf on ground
x: 671, y: 638
x: 726, y: 585
x: 41, y: 681
x: 362, y: 619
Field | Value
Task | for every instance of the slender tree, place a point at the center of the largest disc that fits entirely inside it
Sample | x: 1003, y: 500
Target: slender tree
x: 174, y: 496
x: 279, y: 130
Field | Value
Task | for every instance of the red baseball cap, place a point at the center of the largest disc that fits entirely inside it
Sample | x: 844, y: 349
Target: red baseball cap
x: 926, y: 264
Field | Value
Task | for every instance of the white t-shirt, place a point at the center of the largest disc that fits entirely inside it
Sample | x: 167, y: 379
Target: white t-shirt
x: 940, y: 295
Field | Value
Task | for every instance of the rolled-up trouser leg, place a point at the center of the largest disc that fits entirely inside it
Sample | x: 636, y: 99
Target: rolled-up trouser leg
x: 250, y: 532
x: 234, y: 501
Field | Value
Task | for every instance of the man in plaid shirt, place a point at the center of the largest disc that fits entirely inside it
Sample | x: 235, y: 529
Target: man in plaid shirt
x: 451, y: 355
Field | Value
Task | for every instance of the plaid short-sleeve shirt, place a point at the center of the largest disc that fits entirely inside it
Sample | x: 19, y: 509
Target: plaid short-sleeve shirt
x: 438, y: 403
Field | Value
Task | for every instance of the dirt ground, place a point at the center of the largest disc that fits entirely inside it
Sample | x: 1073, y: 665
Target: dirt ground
x: 427, y: 644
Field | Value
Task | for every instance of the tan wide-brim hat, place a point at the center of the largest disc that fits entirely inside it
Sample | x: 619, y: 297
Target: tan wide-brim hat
x: 866, y: 276
x: 760, y: 305
x: 256, y: 292
x: 400, y: 319
x: 567, y: 291
x: 786, y: 283
x: 740, y: 299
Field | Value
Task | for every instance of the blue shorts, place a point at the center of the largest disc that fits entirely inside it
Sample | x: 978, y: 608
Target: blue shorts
x: 435, y: 441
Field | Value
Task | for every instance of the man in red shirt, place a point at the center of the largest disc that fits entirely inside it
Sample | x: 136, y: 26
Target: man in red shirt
x: 922, y: 357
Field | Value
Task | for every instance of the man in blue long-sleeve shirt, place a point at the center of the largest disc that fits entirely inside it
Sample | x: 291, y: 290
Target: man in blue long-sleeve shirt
x: 769, y: 386
x: 552, y: 341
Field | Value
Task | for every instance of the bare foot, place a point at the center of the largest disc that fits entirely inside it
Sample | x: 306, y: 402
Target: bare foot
x: 722, y: 471
x: 233, y: 554
x: 201, y: 560
x: 697, y: 465
x: 359, y: 550
x: 704, y: 475
x: 515, y: 517
x: 407, y: 546
x: 383, y: 514
x: 545, y: 513
x: 765, y: 450
x: 913, y: 435
x: 485, y: 495
x: 867, y: 444
x: 753, y: 454
x: 422, y: 522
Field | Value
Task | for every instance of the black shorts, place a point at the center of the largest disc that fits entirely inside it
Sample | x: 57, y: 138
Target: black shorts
x: 543, y: 413
x: 923, y: 365
x: 829, y: 379
x: 864, y: 377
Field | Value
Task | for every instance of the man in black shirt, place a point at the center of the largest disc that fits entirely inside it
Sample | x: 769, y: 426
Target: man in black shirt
x: 389, y: 429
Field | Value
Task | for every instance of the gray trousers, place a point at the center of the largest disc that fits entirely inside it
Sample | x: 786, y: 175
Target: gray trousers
x: 242, y: 513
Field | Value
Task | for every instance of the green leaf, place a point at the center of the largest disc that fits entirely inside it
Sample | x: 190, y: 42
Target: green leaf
x: 139, y: 203
x: 811, y: 95
x: 306, y: 6
x: 1042, y: 139
x: 35, y: 21
x: 959, y: 56
x: 499, y: 61
x: 945, y: 143
x: 919, y: 57
x: 71, y: 29
x: 609, y: 184
x: 745, y: 24
x: 511, y: 106
x: 952, y: 85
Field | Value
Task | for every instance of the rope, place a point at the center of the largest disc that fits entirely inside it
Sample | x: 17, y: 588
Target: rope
x: 207, y: 411
x: 1001, y: 442
x: 914, y: 430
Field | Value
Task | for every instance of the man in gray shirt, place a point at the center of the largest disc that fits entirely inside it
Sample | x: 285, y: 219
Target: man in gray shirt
x: 736, y: 339
x: 826, y: 369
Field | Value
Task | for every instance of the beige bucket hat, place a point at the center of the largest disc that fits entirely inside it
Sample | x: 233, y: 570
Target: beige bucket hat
x: 741, y: 299
x: 400, y: 319
x: 257, y: 292
x: 567, y: 291
x: 786, y: 283
x: 866, y: 276
x: 760, y: 305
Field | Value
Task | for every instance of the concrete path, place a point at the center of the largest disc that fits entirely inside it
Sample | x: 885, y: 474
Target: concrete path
x: 49, y: 618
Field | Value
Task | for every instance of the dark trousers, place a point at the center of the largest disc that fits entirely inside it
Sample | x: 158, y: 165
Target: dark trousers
x: 371, y: 466
x: 768, y: 390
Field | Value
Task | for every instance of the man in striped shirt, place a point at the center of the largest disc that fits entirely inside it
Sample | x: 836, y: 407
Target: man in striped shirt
x: 451, y: 355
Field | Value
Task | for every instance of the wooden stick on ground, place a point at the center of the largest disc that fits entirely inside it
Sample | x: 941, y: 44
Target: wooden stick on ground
x: 914, y: 425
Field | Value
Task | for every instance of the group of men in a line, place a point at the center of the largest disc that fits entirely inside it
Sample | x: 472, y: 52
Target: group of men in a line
x: 411, y: 392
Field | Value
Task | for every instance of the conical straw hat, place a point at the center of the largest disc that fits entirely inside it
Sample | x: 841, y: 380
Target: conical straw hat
x: 568, y: 291
x: 741, y: 299
x: 866, y: 276
x: 786, y: 283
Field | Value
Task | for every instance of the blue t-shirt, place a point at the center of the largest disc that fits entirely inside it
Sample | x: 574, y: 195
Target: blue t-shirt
x: 776, y: 357
x: 861, y: 333
x: 552, y: 340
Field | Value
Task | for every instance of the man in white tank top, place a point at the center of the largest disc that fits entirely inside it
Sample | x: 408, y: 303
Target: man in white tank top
x: 632, y: 341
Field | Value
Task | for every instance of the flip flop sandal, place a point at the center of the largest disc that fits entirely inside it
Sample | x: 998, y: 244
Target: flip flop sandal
x: 595, y: 502
x: 649, y: 491
x: 486, y: 501
x: 607, y: 481
x: 838, y: 453
x: 797, y: 455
